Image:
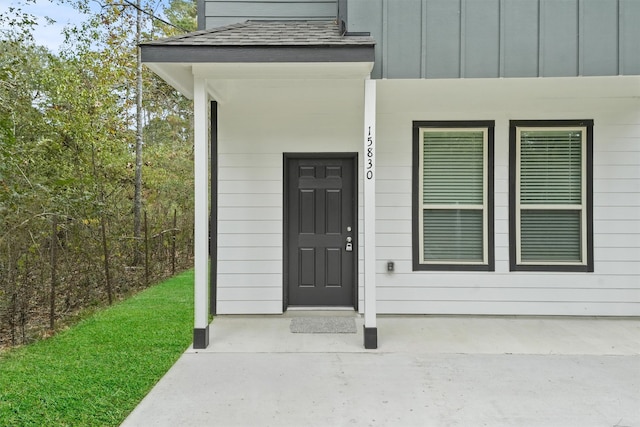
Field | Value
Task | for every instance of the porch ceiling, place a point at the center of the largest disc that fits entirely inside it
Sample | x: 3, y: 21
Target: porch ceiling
x: 261, y: 50
x: 181, y: 75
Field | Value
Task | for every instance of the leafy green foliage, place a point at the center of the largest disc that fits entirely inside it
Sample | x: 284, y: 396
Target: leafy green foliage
x: 66, y: 157
x: 96, y: 372
x: 182, y: 14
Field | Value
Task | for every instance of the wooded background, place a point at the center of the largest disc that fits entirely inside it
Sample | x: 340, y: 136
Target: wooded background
x: 68, y: 122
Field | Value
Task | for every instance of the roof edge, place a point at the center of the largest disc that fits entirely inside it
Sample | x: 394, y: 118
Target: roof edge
x: 256, y: 54
x: 194, y: 34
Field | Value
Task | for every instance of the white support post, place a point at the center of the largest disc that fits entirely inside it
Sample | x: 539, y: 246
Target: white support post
x: 369, y: 170
x: 201, y: 224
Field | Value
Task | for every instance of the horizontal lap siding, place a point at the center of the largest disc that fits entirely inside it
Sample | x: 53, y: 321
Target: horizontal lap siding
x: 552, y: 294
x: 520, y: 308
x: 224, y: 12
x: 260, y: 122
x: 263, y: 120
x: 614, y: 287
x: 617, y: 193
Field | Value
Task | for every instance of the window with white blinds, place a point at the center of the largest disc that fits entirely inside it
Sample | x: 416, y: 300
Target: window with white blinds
x: 550, y: 203
x: 452, y: 211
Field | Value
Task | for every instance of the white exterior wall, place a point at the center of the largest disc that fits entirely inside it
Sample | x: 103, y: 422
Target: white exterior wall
x: 259, y: 120
x: 614, y: 287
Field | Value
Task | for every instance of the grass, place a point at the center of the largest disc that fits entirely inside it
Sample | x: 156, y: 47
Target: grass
x: 96, y: 372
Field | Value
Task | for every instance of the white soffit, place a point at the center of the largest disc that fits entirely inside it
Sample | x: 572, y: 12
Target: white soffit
x: 180, y: 75
x: 177, y: 75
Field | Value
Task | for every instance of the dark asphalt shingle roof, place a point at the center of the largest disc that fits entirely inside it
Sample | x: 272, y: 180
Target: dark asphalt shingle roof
x: 269, y: 33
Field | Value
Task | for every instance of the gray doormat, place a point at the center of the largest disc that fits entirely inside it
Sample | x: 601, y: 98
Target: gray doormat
x: 323, y: 325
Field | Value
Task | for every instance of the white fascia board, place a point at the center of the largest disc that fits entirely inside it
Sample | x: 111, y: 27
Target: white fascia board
x: 294, y: 70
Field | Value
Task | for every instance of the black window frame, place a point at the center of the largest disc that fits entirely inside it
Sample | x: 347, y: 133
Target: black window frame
x: 416, y: 197
x: 588, y: 265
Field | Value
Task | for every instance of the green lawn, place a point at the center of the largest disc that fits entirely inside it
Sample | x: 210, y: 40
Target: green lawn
x: 96, y: 372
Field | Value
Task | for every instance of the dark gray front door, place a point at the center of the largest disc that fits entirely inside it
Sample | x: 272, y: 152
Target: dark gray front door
x: 321, y: 231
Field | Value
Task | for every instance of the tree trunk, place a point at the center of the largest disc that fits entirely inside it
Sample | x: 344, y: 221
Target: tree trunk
x: 146, y: 250
x: 105, y: 250
x: 54, y: 271
x: 12, y: 316
x: 137, y: 198
x: 103, y: 227
x: 173, y: 244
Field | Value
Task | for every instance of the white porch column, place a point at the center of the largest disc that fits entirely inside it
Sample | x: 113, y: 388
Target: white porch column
x: 201, y: 223
x: 369, y: 170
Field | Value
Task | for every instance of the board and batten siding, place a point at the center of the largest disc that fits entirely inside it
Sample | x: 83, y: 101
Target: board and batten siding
x: 500, y: 38
x: 614, y: 287
x: 218, y: 13
x: 258, y: 122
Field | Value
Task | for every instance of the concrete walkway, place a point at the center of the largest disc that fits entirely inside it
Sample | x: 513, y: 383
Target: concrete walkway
x: 427, y: 371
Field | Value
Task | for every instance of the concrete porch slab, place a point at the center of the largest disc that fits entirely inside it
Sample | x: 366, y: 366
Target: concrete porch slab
x: 433, y: 334
x: 440, y: 371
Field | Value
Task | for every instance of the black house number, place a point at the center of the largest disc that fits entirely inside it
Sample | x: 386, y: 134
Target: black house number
x: 370, y: 155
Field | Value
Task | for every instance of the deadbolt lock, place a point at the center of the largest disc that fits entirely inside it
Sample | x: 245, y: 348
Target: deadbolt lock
x: 349, y: 246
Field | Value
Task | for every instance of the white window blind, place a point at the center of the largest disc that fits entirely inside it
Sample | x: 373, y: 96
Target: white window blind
x: 551, y: 195
x: 453, y: 192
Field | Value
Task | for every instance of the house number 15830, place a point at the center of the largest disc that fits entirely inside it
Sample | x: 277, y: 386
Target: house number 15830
x: 370, y: 155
